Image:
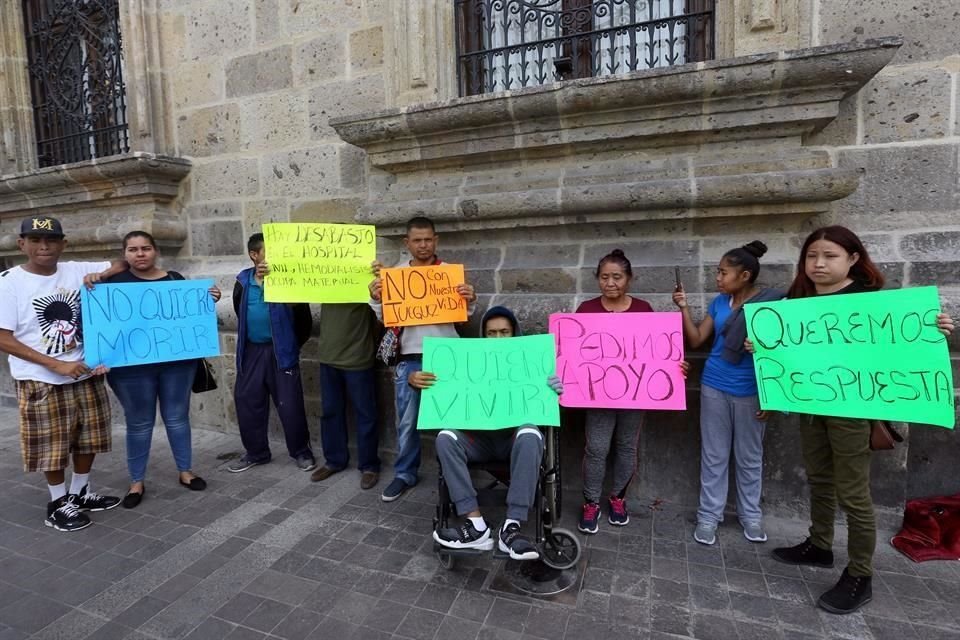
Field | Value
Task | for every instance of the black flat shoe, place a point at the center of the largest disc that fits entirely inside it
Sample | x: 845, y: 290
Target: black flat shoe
x: 133, y: 498
x: 196, y: 484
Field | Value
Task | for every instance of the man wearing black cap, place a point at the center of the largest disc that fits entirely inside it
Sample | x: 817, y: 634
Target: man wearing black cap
x: 64, y: 407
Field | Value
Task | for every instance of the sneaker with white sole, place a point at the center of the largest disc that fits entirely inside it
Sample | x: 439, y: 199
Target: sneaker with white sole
x: 242, y: 464
x: 64, y: 515
x: 90, y: 501
x: 705, y: 534
x: 753, y: 532
x: 618, y: 516
x: 394, y: 490
x: 465, y: 536
x: 306, y: 463
x: 512, y: 542
x: 590, y: 520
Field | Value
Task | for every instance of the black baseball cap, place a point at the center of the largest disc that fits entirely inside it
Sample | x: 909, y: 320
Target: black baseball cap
x: 41, y: 226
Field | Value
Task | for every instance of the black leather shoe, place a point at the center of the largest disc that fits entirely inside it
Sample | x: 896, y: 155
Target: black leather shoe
x: 132, y: 499
x: 196, y: 484
x: 849, y: 594
x: 805, y: 553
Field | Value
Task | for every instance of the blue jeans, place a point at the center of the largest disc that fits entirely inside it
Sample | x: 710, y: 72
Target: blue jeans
x: 407, y: 398
x: 336, y: 386
x: 729, y: 422
x: 138, y: 389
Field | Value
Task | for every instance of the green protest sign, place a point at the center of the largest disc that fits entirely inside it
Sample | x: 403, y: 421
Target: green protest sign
x: 489, y: 383
x: 866, y: 355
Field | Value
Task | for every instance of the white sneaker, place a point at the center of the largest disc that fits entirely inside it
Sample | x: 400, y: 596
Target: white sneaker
x: 511, y: 542
x: 705, y: 534
x: 753, y: 532
x: 465, y: 536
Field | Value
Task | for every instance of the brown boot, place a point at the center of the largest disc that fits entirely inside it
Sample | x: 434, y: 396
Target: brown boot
x: 323, y: 473
x: 369, y: 479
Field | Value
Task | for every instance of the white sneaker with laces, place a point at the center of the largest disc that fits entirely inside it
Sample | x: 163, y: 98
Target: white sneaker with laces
x: 465, y: 536
x: 512, y: 542
x: 705, y: 534
x: 753, y: 532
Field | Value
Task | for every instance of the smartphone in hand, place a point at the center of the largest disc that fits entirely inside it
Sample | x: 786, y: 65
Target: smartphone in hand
x: 679, y: 286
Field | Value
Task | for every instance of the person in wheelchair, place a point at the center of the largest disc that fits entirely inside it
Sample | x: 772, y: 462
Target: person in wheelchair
x: 522, y: 447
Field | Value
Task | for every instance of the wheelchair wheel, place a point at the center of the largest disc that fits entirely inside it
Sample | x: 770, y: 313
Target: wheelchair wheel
x: 561, y: 549
x: 446, y: 560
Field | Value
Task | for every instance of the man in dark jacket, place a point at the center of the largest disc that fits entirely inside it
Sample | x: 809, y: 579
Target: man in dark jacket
x: 269, y: 337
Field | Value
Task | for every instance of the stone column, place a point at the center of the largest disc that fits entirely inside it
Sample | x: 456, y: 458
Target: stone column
x: 149, y: 113
x: 107, y: 196
x: 746, y: 27
x: 421, y: 36
x: 17, y: 151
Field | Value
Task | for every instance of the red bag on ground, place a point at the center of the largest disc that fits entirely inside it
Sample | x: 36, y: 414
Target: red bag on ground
x: 931, y: 529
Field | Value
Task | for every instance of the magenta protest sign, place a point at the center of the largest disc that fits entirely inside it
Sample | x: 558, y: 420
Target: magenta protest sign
x: 620, y: 360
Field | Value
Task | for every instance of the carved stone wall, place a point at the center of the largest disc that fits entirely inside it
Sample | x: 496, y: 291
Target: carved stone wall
x: 900, y: 132
x: 228, y: 105
x: 530, y: 188
x: 16, y: 113
x: 102, y: 199
x: 722, y: 138
x: 675, y: 166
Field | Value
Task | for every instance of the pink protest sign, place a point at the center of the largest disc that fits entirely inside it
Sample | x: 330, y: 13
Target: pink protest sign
x: 620, y: 360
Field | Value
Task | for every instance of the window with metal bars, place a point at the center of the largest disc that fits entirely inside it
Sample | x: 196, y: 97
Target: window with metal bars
x: 508, y: 44
x: 76, y: 79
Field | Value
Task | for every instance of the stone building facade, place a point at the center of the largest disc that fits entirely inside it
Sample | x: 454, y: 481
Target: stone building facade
x: 247, y: 111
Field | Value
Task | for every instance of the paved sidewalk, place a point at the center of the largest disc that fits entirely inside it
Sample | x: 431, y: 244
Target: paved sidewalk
x: 268, y: 554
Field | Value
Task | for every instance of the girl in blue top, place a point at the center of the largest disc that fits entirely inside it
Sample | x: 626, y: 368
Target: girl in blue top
x: 730, y: 415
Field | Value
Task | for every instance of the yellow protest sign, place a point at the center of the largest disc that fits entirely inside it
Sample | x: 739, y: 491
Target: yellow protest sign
x: 314, y: 262
x: 423, y: 295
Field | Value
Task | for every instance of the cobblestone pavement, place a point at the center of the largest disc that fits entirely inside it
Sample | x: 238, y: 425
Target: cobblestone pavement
x: 268, y: 554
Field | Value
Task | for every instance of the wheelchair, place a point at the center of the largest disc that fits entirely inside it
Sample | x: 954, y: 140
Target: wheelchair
x: 559, y: 548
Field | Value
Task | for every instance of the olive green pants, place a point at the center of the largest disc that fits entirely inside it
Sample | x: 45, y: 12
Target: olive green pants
x: 836, y: 452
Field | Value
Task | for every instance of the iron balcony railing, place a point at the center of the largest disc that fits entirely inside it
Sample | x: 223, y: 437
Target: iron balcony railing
x: 76, y: 79
x: 508, y: 44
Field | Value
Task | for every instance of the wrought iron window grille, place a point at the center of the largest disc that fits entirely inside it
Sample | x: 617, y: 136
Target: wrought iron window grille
x: 508, y: 44
x: 76, y: 79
